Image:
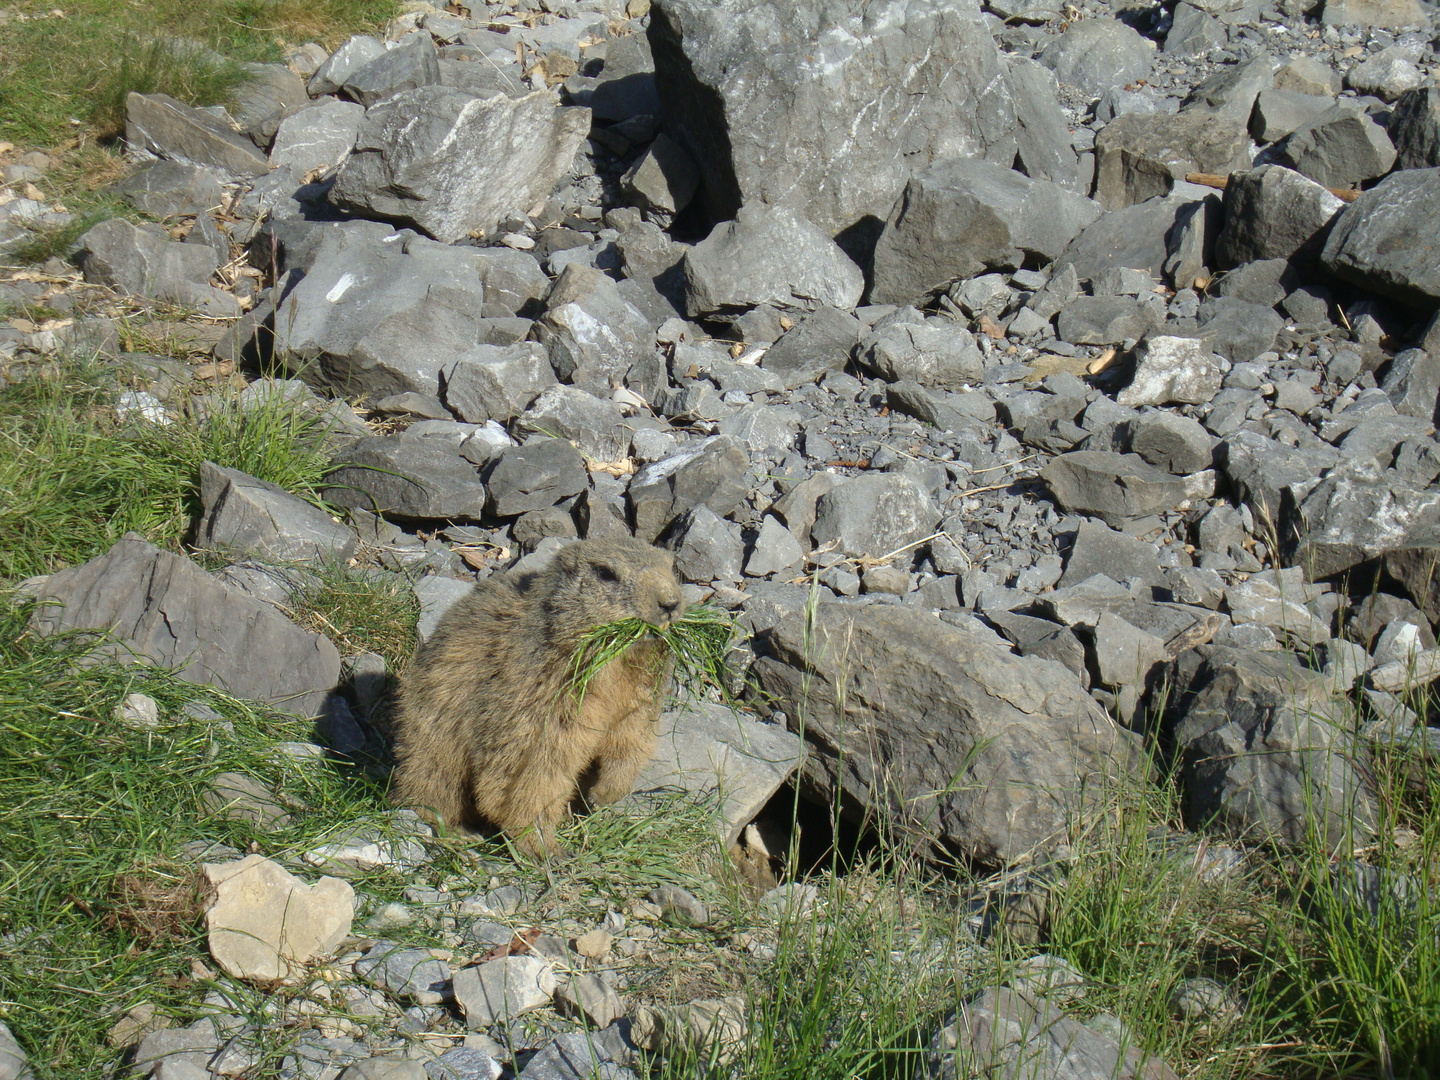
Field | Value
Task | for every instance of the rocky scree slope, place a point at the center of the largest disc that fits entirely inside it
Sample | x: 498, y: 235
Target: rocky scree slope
x: 996, y: 370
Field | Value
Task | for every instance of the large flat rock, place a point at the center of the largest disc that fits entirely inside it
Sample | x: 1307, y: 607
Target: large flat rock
x: 161, y: 609
x: 707, y: 749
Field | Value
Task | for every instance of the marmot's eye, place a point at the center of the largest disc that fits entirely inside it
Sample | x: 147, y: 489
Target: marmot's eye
x: 605, y: 573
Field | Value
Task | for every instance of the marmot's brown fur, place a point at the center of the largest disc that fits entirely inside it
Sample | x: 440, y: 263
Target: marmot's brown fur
x: 485, y: 725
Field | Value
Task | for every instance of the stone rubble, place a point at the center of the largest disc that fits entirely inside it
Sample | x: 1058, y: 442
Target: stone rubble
x: 962, y: 352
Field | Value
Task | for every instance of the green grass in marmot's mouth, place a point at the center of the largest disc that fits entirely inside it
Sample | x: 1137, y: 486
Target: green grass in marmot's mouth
x: 698, y: 641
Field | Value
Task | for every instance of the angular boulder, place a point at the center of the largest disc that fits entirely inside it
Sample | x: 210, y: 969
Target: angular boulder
x: 937, y: 726
x: 962, y: 217
x: 1265, y: 751
x: 432, y: 157
x: 1385, y: 240
x: 376, y: 315
x: 768, y: 255
x: 870, y: 93
x: 408, y: 476
x: 161, y: 609
x: 264, y: 924
x: 246, y: 516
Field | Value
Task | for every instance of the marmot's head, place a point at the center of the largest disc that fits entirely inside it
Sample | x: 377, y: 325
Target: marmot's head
x: 616, y: 579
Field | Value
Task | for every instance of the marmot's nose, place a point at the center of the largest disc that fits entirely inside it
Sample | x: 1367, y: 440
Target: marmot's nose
x: 669, y: 608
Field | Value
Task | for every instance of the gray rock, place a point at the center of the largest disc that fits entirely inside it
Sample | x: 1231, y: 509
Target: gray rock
x: 513, y: 279
x: 1381, y: 241
x: 1307, y: 75
x: 874, y: 515
x: 1193, y: 32
x: 1279, y: 112
x: 768, y: 255
x: 534, y: 476
x: 13, y: 1065
x: 581, y: 1055
x: 193, y: 1045
x: 1173, y: 369
x: 1415, y: 128
x: 1339, y: 148
x: 165, y: 189
x: 821, y: 341
x: 1274, y: 213
x: 1104, y: 320
x: 1100, y: 550
x: 710, y: 473
x: 1124, y: 654
x: 964, y: 216
x: 935, y: 352
x: 411, y: 63
x: 385, y: 1068
x: 1266, y: 604
x: 236, y: 797
x: 319, y: 136
x: 662, y: 181
x: 407, y: 477
x: 763, y: 428
x: 928, y: 703
x: 1138, y: 157
x: 1113, y: 487
x: 377, y: 317
x: 1387, y: 74
x: 1233, y: 89
x: 163, y: 609
x: 597, y: 427
x: 160, y: 125
x: 903, y: 83
x: 1042, y: 132
x: 1006, y: 1032
x: 1205, y: 1003
x: 598, y: 340
x: 463, y: 1063
x: 1265, y: 471
x: 714, y: 752
x: 1357, y: 513
x: 497, y: 991
x: 1264, y: 751
x: 142, y: 260
x: 1178, y: 444
x: 409, y: 973
x: 1237, y: 330
x: 349, y: 58
x: 425, y: 157
x: 490, y: 382
x: 775, y: 550
x: 246, y: 516
x: 709, y: 548
x: 270, y: 93
x: 1093, y: 55
x: 1137, y: 236
x: 678, y: 906
x: 1413, y: 384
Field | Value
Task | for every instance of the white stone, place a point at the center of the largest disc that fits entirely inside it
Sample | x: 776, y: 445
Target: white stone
x: 264, y: 922
x: 1174, y: 369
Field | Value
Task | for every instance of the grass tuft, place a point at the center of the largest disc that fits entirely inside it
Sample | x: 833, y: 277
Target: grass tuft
x: 698, y: 642
x: 75, y: 476
x: 360, y: 612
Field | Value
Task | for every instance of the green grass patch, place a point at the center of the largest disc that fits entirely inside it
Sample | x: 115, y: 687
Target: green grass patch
x: 98, y: 901
x: 361, y: 612
x: 698, y: 642
x: 57, y: 70
x: 75, y: 475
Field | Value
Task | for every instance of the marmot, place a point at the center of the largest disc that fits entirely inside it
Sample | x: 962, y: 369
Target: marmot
x: 485, y: 723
